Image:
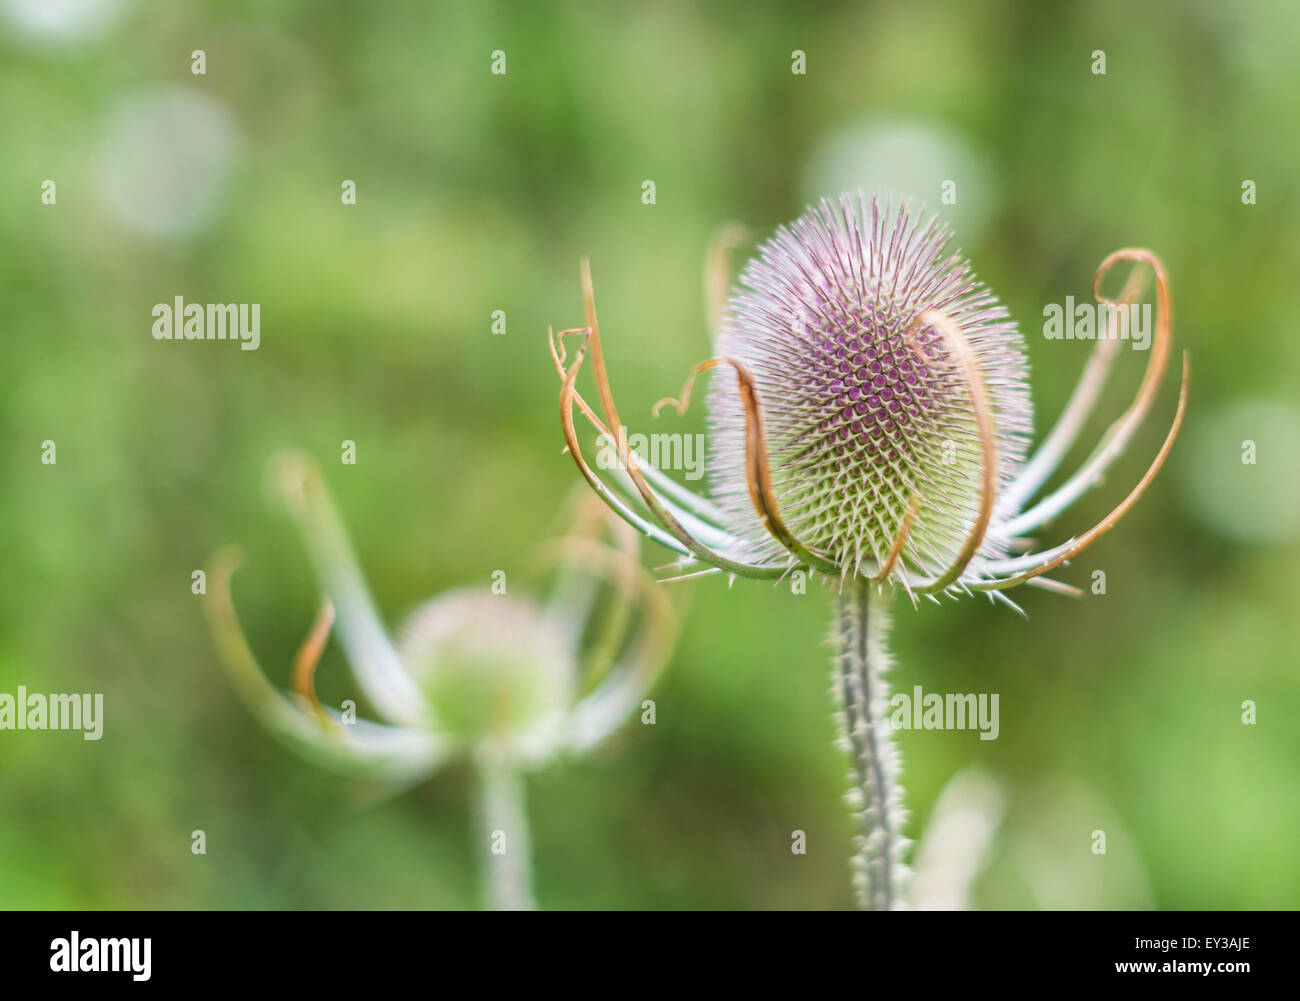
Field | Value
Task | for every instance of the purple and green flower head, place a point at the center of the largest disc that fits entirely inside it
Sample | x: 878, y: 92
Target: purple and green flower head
x: 879, y: 422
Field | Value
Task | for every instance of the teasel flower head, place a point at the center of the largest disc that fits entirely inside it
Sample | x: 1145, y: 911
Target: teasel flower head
x: 473, y: 673
x: 877, y: 419
x: 867, y: 403
x: 871, y: 420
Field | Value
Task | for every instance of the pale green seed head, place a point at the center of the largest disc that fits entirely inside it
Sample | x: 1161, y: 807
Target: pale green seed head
x: 493, y: 669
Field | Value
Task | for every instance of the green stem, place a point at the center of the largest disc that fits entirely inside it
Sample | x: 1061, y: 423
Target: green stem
x: 861, y: 627
x: 503, y: 820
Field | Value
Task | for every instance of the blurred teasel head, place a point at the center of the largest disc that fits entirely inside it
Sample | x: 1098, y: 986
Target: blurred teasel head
x: 472, y: 672
x: 878, y: 423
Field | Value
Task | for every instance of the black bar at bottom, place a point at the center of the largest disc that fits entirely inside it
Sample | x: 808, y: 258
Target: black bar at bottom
x: 600, y: 952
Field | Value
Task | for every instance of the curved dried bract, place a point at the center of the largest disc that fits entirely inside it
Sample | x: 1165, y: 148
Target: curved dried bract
x: 1164, y: 329
x: 974, y: 379
x: 250, y: 681
x: 682, y: 402
x: 373, y: 660
x: 308, y: 656
x: 600, y: 712
x: 1109, y: 522
x: 758, y: 469
x: 684, y: 504
x: 344, y: 747
x: 574, y: 448
x: 1117, y: 436
x: 1087, y: 390
x: 577, y: 583
x: 900, y: 540
x: 630, y: 463
x: 717, y: 270
x: 570, y: 398
x: 597, y: 353
x: 694, y: 512
x: 617, y: 614
x: 613, y: 422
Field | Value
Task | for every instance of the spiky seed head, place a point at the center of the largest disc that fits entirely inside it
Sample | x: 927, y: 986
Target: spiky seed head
x: 494, y: 669
x: 860, y: 418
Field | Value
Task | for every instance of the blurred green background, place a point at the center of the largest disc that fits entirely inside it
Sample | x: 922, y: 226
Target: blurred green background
x: 478, y: 192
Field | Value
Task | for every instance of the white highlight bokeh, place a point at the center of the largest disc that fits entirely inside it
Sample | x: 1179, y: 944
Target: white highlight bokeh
x: 1249, y: 503
x: 163, y: 163
x: 61, y: 21
x: 904, y: 159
